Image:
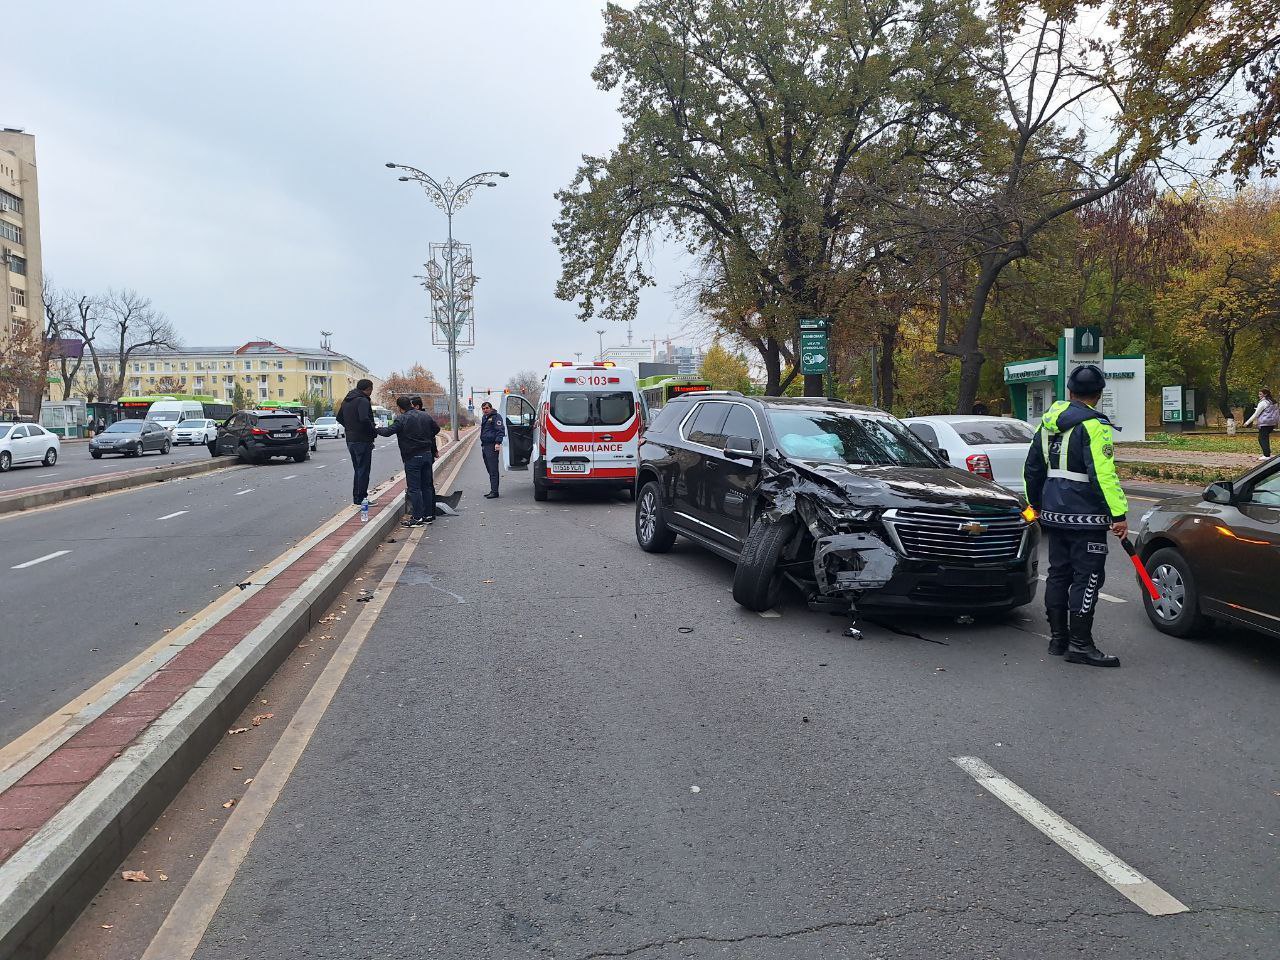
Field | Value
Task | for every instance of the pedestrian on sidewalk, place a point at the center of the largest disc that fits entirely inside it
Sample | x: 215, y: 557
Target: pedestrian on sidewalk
x: 1071, y: 482
x: 491, y: 435
x: 356, y: 416
x: 415, y: 432
x: 1266, y: 417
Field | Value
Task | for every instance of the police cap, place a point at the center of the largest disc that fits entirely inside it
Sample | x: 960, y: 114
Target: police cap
x: 1086, y: 380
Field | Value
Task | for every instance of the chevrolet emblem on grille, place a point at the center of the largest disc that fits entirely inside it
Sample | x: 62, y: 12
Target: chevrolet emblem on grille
x: 973, y: 528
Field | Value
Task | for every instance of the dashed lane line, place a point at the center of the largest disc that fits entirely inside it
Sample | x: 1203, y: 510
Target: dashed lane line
x: 1127, y: 881
x: 321, y: 466
x: 292, y: 476
x: 1101, y: 596
x: 170, y: 516
x: 47, y: 556
x: 246, y: 490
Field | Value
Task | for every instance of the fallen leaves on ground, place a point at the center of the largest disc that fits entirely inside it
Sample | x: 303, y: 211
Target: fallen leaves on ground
x: 229, y: 804
x: 234, y: 730
x: 162, y: 876
x: 107, y: 926
x: 135, y: 876
x: 257, y: 721
x: 486, y: 581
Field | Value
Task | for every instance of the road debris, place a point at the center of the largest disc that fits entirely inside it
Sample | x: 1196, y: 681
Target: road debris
x: 234, y: 730
x: 257, y: 720
x: 135, y: 876
x: 695, y: 789
x: 229, y: 804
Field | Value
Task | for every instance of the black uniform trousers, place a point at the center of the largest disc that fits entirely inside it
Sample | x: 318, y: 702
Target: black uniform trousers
x: 1077, y: 568
x: 491, y: 457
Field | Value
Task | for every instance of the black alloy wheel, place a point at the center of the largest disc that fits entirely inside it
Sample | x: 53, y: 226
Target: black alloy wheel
x: 652, y: 532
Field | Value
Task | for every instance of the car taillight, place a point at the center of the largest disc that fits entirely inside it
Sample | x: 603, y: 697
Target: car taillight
x: 980, y: 464
x: 258, y: 432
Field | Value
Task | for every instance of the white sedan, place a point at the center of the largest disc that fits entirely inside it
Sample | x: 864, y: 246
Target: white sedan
x: 991, y: 447
x: 27, y: 443
x: 195, y: 431
x: 330, y: 427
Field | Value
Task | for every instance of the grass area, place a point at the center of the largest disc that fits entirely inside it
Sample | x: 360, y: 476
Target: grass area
x: 1183, y: 473
x: 1203, y: 442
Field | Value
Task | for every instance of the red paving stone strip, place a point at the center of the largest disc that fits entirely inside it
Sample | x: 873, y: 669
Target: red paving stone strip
x: 55, y: 781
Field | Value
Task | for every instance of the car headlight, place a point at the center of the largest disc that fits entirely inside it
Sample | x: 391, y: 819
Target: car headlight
x: 851, y: 514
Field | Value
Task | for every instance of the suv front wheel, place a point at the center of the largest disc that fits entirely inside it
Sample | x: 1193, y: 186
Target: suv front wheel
x: 757, y: 584
x: 652, y: 532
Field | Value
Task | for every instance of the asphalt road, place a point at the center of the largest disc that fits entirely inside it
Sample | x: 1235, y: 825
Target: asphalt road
x: 123, y: 568
x: 555, y: 745
x: 74, y: 463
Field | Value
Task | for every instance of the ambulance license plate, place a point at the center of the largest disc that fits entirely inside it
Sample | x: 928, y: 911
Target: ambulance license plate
x: 569, y: 468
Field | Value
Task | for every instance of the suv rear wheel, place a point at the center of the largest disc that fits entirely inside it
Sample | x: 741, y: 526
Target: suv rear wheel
x: 652, y: 532
x: 757, y: 584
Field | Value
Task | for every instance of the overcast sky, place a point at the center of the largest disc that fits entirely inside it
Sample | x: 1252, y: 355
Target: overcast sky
x: 227, y: 160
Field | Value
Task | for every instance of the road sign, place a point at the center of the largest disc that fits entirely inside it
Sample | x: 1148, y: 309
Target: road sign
x: 813, y: 350
x: 813, y: 323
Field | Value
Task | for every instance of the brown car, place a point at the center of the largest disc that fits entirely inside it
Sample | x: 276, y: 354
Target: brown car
x: 1216, y: 555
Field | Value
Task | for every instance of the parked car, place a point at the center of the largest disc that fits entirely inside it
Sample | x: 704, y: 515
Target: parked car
x: 27, y: 443
x: 130, y: 438
x: 195, y: 431
x: 842, y: 501
x: 330, y: 428
x: 256, y: 436
x: 1216, y: 555
x: 312, y: 433
x: 991, y: 447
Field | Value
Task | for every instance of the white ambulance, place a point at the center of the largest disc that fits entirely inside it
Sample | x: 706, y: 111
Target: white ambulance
x: 584, y: 431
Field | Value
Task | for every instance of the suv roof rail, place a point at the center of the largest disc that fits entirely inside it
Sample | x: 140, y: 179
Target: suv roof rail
x: 699, y: 393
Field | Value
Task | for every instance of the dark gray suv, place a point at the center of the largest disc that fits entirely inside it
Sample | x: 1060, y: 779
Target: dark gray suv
x: 842, y: 501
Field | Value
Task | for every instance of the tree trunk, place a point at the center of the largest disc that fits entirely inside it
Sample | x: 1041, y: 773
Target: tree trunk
x: 1225, y: 353
x: 971, y: 358
x: 888, y: 347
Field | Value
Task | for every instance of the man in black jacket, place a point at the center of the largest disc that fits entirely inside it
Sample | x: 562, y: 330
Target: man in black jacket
x: 415, y: 431
x: 356, y: 416
x: 491, y: 435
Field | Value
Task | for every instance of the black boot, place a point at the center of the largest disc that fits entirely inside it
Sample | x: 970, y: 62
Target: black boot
x: 1081, y: 648
x: 1058, y: 635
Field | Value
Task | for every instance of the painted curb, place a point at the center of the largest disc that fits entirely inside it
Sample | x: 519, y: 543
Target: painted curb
x: 45, y: 884
x: 125, y: 480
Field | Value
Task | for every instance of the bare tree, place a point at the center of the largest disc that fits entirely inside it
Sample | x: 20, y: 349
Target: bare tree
x: 60, y: 327
x: 527, y: 383
x: 130, y: 322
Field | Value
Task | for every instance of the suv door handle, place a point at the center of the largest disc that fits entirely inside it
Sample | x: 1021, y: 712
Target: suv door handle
x: 606, y: 436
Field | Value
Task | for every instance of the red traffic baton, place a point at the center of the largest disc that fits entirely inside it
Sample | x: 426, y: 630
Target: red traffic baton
x: 1143, y: 577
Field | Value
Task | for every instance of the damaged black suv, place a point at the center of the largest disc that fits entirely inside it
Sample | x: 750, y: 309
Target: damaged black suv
x: 841, y: 500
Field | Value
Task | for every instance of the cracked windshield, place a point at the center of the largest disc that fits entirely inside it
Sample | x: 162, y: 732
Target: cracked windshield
x: 715, y: 479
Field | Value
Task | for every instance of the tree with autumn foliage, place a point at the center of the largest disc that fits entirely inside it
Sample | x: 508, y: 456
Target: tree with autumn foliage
x: 414, y: 381
x: 1225, y: 304
x: 725, y: 370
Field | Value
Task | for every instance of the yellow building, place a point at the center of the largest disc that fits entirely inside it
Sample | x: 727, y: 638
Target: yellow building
x: 263, y: 370
x: 19, y: 233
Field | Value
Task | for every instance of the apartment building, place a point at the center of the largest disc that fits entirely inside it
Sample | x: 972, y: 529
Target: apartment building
x: 264, y: 370
x: 20, y: 267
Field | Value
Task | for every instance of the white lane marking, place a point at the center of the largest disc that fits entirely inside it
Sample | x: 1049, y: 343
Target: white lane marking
x: 243, y: 492
x: 170, y: 516
x: 1102, y: 596
x: 1147, y: 499
x: 292, y: 476
x: 1152, y: 898
x: 47, y: 556
x: 321, y: 466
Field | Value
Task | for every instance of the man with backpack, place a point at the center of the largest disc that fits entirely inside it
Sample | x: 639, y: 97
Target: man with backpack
x: 356, y: 416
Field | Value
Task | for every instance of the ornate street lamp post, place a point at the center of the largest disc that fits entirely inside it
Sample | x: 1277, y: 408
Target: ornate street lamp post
x: 450, y: 277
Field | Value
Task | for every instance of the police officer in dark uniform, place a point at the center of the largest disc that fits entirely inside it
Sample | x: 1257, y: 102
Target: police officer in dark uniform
x: 492, y: 433
x: 1071, y: 481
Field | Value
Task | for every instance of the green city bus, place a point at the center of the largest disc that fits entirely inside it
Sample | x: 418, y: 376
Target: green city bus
x: 135, y: 408
x: 658, y: 390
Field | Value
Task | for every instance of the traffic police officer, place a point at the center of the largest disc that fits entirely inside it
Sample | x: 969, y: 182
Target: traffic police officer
x: 1070, y: 479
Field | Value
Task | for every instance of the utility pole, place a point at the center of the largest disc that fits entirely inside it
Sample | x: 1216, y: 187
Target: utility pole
x: 451, y: 281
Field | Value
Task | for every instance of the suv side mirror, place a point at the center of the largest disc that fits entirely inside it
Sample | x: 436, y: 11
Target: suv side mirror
x: 1221, y: 491
x: 942, y: 454
x: 740, y: 448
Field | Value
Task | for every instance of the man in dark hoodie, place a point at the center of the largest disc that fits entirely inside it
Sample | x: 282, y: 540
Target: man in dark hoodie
x: 1071, y: 481
x: 415, y: 431
x: 356, y: 416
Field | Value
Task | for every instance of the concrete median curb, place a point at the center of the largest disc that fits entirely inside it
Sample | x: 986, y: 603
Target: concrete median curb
x: 44, y: 495
x: 99, y: 789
